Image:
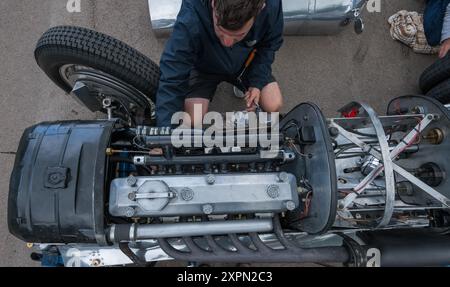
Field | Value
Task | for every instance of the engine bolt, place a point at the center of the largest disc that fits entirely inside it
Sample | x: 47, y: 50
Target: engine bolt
x: 96, y: 262
x: 207, y: 209
x: 366, y: 148
x: 418, y: 110
x: 107, y: 102
x: 130, y: 212
x: 132, y: 196
x: 290, y: 205
x: 273, y: 191
x: 131, y: 181
x: 334, y: 132
x: 210, y: 179
x: 283, y: 176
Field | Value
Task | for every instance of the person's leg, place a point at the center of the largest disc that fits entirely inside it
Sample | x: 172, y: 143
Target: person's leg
x: 201, y: 92
x: 196, y: 108
x: 271, y: 100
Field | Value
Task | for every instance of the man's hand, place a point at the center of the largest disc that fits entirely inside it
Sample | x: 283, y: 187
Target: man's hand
x: 445, y: 47
x: 252, y: 97
x: 155, y: 152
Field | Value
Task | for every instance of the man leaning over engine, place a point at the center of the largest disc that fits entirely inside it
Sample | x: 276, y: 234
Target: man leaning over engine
x: 211, y: 42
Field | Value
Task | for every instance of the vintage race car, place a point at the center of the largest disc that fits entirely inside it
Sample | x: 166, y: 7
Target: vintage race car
x: 360, y: 189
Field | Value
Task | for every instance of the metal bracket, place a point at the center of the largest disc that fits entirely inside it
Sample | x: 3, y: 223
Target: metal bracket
x: 390, y: 194
x: 152, y: 195
x: 81, y: 94
x: 384, y: 156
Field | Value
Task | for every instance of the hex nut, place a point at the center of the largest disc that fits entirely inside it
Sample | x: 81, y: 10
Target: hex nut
x: 130, y: 212
x: 131, y: 181
x: 132, y: 196
x: 210, y: 179
x: 207, y: 209
x: 290, y: 205
x: 283, y: 176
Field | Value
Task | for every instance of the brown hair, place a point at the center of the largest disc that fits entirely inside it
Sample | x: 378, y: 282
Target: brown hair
x: 234, y: 14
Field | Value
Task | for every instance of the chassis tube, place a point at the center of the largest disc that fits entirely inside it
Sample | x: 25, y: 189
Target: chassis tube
x: 162, y: 140
x: 136, y: 232
x: 204, y: 159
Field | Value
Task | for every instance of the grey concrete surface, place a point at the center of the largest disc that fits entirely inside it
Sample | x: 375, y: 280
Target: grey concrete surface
x: 329, y: 71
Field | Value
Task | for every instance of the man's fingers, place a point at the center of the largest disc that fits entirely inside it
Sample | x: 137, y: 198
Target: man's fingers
x: 155, y: 151
x: 256, y: 100
x: 253, y: 98
x: 252, y: 108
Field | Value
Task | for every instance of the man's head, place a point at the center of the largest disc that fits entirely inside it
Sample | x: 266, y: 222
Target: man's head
x: 233, y: 19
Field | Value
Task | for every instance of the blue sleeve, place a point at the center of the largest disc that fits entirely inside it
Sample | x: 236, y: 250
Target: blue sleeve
x: 260, y: 72
x: 446, y: 25
x: 176, y: 63
x: 433, y: 20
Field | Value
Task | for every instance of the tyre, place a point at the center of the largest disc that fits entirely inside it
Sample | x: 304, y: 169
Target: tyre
x: 106, y: 66
x: 441, y: 92
x: 435, y: 74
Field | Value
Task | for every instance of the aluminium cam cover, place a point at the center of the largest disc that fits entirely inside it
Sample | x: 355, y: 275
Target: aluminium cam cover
x: 208, y: 194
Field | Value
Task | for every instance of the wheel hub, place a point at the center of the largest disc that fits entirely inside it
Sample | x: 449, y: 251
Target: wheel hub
x: 91, y: 87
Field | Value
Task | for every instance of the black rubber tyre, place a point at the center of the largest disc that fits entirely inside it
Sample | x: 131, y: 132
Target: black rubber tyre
x: 441, y: 92
x: 64, y: 45
x: 435, y: 74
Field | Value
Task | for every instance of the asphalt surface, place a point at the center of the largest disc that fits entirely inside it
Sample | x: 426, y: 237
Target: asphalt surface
x: 328, y: 70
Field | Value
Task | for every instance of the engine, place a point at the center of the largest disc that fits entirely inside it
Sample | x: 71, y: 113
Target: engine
x: 101, y: 185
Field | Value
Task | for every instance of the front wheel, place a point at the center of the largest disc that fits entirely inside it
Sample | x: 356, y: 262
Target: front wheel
x: 95, y: 67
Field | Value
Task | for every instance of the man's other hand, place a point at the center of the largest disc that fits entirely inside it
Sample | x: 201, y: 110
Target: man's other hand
x: 252, y: 97
x: 155, y: 152
x: 445, y: 47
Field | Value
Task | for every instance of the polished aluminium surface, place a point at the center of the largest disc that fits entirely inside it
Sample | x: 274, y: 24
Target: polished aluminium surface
x: 302, y: 17
x: 217, y: 227
x: 203, y: 194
